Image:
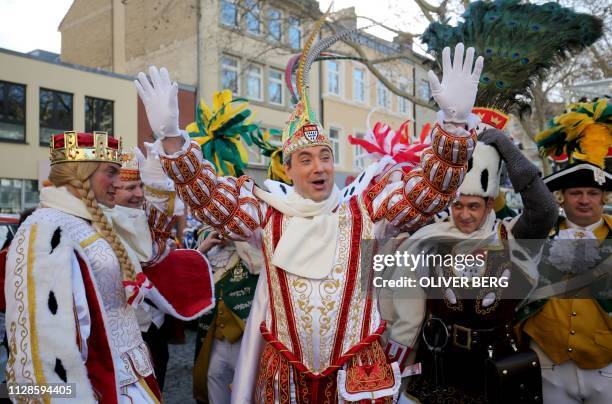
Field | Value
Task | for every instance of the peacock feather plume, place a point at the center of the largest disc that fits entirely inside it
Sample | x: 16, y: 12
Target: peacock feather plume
x: 219, y: 132
x: 520, y: 42
x: 584, y: 133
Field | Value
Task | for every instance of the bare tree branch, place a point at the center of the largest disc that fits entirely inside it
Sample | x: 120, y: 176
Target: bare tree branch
x: 380, y: 76
x: 602, y: 63
x: 426, y: 11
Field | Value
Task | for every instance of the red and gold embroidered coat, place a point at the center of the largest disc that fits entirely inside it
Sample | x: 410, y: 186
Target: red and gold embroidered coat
x: 322, y: 334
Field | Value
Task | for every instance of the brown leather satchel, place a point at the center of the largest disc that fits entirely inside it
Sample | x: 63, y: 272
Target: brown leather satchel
x: 514, y: 379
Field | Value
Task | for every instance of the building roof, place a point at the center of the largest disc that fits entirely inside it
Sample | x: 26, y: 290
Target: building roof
x: 53, y: 58
x: 45, y: 55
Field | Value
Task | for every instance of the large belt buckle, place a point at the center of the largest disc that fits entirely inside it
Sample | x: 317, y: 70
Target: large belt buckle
x: 458, y: 332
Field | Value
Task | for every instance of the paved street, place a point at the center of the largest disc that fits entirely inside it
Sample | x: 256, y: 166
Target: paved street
x: 178, y: 376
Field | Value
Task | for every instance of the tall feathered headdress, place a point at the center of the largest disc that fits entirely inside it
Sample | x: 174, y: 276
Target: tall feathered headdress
x: 520, y: 43
x: 584, y: 133
x: 219, y: 132
x: 303, y: 128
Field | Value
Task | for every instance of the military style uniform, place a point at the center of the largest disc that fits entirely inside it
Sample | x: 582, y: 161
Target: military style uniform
x: 573, y: 336
x: 220, y: 332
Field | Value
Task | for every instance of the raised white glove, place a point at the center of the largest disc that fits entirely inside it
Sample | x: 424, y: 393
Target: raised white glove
x: 457, y: 93
x: 153, y: 176
x: 160, y: 100
x: 151, y: 171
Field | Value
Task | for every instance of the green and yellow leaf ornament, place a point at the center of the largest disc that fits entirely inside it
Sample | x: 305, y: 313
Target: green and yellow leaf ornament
x: 584, y: 133
x: 276, y: 171
x: 219, y: 132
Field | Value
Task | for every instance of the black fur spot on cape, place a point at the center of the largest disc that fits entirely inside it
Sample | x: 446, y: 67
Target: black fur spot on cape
x: 52, y: 303
x: 55, y: 239
x: 59, y: 369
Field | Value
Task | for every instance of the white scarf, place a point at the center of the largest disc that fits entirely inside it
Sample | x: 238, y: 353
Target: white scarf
x: 307, y: 247
x: 449, y: 230
x: 129, y: 224
x: 485, y: 236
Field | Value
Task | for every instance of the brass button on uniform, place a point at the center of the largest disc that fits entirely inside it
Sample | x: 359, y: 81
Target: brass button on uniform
x: 574, y: 313
x: 570, y: 350
x: 572, y: 332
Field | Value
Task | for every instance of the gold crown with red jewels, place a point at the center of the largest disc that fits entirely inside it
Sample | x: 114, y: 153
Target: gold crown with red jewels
x: 72, y: 146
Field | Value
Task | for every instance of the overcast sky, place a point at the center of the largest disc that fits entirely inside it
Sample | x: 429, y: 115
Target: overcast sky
x: 26, y: 25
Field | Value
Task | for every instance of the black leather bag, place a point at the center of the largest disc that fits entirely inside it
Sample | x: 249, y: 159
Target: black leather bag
x: 515, y: 378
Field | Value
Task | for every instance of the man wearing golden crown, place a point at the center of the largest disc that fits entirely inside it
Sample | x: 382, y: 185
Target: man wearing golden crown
x: 78, y: 268
x: 313, y: 331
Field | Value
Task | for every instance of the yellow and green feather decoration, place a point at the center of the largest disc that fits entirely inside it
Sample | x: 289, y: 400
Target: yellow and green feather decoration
x: 584, y: 133
x: 276, y: 171
x: 219, y: 132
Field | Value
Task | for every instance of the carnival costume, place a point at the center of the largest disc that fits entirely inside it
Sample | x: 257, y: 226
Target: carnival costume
x: 236, y: 265
x: 477, y: 324
x: 70, y: 316
x: 320, y: 328
x: 569, y: 318
x: 150, y: 318
x: 385, y: 146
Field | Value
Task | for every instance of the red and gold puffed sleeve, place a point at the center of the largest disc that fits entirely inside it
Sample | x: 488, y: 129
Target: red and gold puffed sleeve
x: 225, y: 203
x: 161, y: 216
x: 408, y: 199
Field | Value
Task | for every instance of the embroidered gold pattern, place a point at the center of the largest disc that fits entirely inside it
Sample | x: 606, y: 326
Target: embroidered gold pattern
x: 90, y: 240
x: 22, y: 320
x: 40, y: 377
x: 281, y: 324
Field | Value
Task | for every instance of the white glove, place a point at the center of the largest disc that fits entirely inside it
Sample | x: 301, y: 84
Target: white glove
x: 457, y: 93
x: 151, y: 171
x: 160, y: 101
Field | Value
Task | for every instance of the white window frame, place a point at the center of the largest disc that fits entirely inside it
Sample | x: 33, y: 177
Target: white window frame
x: 422, y: 85
x: 253, y: 10
x: 299, y: 29
x: 382, y: 89
x: 363, y: 83
x: 359, y: 158
x: 280, y: 81
x: 336, y: 143
x: 338, y: 75
x: 280, y: 25
x: 403, y: 84
x: 236, y: 14
x: 259, y: 76
x: 235, y: 69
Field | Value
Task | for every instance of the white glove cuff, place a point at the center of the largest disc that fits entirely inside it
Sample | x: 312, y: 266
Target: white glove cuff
x: 471, y: 123
x: 159, y: 148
